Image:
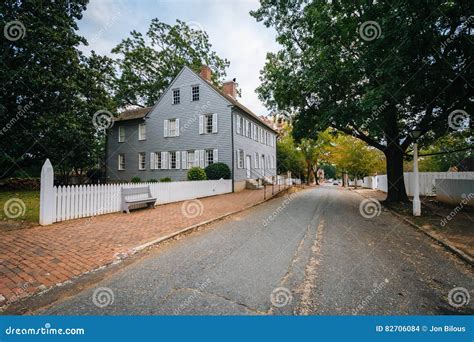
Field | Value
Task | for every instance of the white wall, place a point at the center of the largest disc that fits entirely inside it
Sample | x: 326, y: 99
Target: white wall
x: 453, y: 191
x: 426, y: 179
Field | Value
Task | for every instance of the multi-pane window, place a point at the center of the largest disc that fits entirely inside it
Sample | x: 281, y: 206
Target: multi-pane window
x: 209, y: 157
x: 172, y: 160
x: 141, y: 161
x: 176, y: 96
x: 157, y: 160
x: 121, y: 134
x: 242, y: 124
x: 121, y: 162
x: 195, y: 92
x: 142, y: 131
x: 190, y: 160
x: 241, y: 159
x: 172, y: 127
x: 249, y: 125
x: 239, y: 125
x: 208, y: 123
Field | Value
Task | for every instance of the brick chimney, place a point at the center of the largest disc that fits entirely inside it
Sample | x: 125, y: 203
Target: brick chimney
x: 230, y: 88
x: 206, y: 72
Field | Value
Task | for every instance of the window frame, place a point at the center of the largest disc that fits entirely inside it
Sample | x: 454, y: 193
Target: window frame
x: 176, y: 96
x: 208, y: 123
x: 195, y: 96
x: 207, y: 154
x: 190, y: 161
x: 121, y: 162
x: 141, y: 161
x: 158, y: 161
x: 120, y: 138
x: 172, y: 133
x: 142, y: 134
x: 241, y: 159
x: 172, y: 154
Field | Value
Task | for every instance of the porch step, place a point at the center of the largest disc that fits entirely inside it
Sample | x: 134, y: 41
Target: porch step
x: 252, y: 184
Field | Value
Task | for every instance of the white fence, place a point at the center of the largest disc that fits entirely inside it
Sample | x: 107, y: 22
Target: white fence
x: 71, y: 202
x: 426, y: 179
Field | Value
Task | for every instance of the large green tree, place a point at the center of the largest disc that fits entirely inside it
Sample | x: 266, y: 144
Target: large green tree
x: 372, y: 69
x: 49, y: 90
x: 148, y: 63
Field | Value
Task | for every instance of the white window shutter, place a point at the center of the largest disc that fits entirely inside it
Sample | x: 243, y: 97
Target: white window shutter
x: 201, y: 158
x: 214, y: 123
x: 164, y: 160
x: 177, y: 128
x: 215, y: 155
x: 178, y: 160
x: 237, y: 158
x: 152, y: 160
x: 237, y: 118
x: 255, y: 161
x: 196, y: 158
x: 165, y: 128
x: 201, y: 124
x: 184, y: 160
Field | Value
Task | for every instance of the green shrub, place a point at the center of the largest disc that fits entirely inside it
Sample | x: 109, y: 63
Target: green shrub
x: 196, y: 173
x: 165, y: 180
x: 153, y: 180
x: 136, y: 180
x: 218, y: 171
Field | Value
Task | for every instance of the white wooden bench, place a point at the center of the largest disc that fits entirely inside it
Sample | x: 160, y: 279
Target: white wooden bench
x: 140, y: 195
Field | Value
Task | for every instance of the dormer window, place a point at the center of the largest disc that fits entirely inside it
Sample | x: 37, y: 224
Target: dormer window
x: 195, y: 92
x: 176, y: 96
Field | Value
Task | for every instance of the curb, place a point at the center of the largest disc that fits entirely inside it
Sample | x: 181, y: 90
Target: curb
x: 459, y: 253
x: 134, y: 250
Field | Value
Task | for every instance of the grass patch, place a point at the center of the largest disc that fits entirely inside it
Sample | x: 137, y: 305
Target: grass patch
x: 25, y: 204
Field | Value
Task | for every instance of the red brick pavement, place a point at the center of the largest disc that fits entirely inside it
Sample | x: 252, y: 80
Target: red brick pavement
x: 38, y: 258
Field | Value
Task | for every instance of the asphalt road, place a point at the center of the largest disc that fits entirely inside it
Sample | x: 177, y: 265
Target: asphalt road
x: 311, y: 253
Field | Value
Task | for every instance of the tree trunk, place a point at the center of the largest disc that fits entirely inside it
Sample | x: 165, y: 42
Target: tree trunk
x: 395, y: 181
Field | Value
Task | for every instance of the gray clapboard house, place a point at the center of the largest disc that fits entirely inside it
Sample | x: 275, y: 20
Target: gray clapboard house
x: 193, y: 123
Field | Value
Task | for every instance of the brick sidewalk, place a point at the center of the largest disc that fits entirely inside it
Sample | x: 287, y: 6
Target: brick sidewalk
x: 38, y: 258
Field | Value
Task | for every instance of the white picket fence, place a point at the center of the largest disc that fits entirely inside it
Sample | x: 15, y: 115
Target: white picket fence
x: 426, y: 181
x: 71, y: 202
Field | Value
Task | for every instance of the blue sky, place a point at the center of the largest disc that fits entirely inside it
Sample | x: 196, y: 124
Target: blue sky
x: 233, y: 33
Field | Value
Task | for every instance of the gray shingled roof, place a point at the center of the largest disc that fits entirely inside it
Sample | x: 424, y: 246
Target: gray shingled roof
x: 132, y: 114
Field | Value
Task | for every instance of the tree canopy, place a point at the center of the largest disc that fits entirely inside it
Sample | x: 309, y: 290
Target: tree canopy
x: 373, y: 69
x: 148, y: 62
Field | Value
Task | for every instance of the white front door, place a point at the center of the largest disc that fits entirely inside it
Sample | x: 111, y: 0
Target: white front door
x: 248, y: 165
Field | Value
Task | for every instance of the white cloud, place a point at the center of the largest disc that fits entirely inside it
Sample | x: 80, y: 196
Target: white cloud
x: 233, y: 33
